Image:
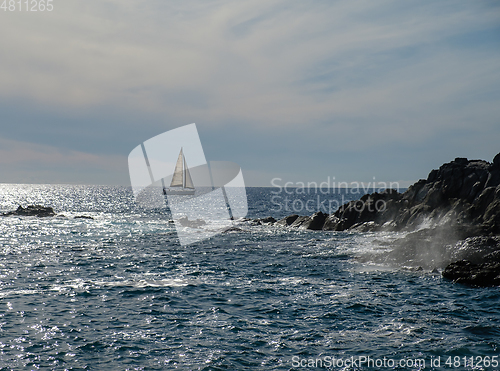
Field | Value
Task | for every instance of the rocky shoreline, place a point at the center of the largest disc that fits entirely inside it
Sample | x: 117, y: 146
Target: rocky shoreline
x: 453, y: 218
x: 40, y: 212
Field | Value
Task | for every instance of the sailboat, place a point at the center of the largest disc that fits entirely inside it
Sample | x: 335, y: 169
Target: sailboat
x: 181, y: 183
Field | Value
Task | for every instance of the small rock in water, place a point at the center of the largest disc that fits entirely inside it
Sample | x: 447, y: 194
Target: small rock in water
x: 232, y: 229
x: 83, y: 217
x: 32, y: 210
x: 268, y: 220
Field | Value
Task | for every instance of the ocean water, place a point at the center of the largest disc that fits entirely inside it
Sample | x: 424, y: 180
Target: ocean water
x: 119, y: 292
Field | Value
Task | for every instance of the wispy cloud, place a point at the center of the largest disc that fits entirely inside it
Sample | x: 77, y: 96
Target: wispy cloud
x: 372, y: 75
x: 47, y: 164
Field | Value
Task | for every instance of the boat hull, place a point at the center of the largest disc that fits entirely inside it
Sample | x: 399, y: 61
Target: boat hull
x: 179, y: 192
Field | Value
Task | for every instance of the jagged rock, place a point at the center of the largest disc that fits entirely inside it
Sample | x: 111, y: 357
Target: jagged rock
x: 331, y: 222
x: 315, y: 221
x: 266, y: 221
x: 496, y: 161
x: 300, y: 220
x: 463, y: 271
x: 493, y: 177
x: 376, y: 207
x: 288, y: 220
x: 458, y: 193
x: 459, y: 207
x: 494, y: 256
x: 366, y: 227
x: 477, y: 249
x: 32, y: 210
x: 232, y: 229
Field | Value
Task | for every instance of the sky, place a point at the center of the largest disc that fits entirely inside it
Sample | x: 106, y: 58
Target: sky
x: 295, y: 90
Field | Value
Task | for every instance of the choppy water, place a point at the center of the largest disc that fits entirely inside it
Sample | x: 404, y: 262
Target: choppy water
x: 120, y: 293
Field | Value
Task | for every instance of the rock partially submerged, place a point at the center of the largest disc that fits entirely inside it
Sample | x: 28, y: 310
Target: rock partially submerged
x: 460, y: 193
x: 232, y: 229
x: 287, y: 221
x: 435, y: 248
x: 314, y: 222
x: 463, y: 271
x: 32, y: 210
x: 459, y: 205
x: 40, y: 211
x: 264, y: 221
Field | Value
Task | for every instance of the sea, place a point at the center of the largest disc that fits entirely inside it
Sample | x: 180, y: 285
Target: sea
x: 119, y: 292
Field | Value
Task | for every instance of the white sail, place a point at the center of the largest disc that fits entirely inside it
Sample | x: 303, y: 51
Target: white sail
x: 188, y: 182
x: 177, y: 177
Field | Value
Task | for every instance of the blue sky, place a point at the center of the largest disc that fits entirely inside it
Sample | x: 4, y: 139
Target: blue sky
x: 299, y: 90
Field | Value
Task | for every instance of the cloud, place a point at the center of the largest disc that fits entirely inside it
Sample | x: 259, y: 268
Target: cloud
x: 23, y: 160
x: 367, y: 76
x: 263, y: 59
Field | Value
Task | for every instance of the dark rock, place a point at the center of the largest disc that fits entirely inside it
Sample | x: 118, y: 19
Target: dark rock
x: 434, y: 197
x: 476, y: 249
x: 300, y: 220
x: 330, y: 223
x: 413, y: 190
x: 366, y: 227
x: 315, y: 222
x: 468, y: 184
x: 265, y: 221
x: 493, y: 257
x: 83, y: 217
x: 268, y: 220
x: 232, y: 229
x: 423, y: 192
x: 458, y: 193
x: 432, y: 176
x: 463, y: 271
x: 454, y: 215
x: 491, y: 217
x: 288, y: 220
x: 493, y: 178
x: 32, y: 210
x: 376, y: 207
x: 496, y: 161
x: 476, y: 188
x: 461, y: 160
